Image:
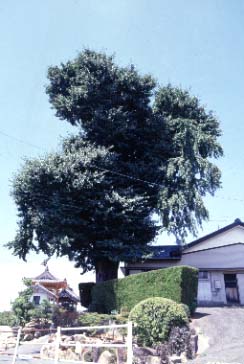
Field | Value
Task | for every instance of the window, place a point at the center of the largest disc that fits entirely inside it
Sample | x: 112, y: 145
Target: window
x: 36, y: 300
x: 203, y: 274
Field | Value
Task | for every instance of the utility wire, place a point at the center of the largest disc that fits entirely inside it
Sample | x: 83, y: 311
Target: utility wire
x: 101, y: 168
x: 128, y: 176
x: 152, y: 184
x: 20, y: 140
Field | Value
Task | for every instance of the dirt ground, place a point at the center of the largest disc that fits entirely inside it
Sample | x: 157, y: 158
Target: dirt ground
x: 221, y: 335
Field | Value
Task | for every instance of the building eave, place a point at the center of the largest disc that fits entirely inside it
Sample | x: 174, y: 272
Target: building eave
x: 236, y: 223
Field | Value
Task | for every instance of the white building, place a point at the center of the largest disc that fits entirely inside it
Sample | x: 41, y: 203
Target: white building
x: 219, y: 256
x: 47, y: 287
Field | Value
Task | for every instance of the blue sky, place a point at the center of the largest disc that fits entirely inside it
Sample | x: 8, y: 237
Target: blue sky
x: 198, y: 45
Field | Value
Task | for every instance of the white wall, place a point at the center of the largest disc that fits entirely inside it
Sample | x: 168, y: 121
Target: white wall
x: 212, y: 290
x: 235, y: 235
x: 218, y: 294
x: 225, y: 257
x: 240, y: 282
x: 43, y: 296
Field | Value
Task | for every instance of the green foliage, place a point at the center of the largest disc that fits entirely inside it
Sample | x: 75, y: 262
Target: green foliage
x: 96, y: 319
x: 8, y: 318
x: 64, y: 318
x: 176, y: 283
x: 162, y: 134
x: 78, y: 215
x: 193, y: 133
x: 22, y: 306
x: 189, y: 285
x: 42, y: 312
x: 154, y: 317
x: 186, y: 309
x: 180, y: 341
x: 139, y: 150
x: 24, y: 310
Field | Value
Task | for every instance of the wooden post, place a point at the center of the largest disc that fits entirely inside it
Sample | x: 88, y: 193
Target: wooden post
x: 58, y: 337
x: 16, y: 346
x: 129, y: 343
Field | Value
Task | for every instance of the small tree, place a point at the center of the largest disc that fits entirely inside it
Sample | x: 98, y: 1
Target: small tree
x: 22, y: 305
x: 43, y: 312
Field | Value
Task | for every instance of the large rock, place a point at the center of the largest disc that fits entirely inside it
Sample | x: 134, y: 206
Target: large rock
x: 142, y: 352
x: 152, y: 359
x: 106, y: 358
x: 28, y: 337
x: 175, y: 359
x: 194, y: 345
x: 121, y: 355
x: 71, y: 355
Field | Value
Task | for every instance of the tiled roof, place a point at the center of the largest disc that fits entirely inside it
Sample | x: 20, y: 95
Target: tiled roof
x: 46, y: 276
x: 68, y: 293
x: 171, y: 252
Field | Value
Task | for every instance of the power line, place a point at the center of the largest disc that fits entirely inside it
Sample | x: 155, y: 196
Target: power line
x: 59, y: 204
x: 101, y: 168
x: 151, y: 184
x: 128, y: 176
x: 20, y: 140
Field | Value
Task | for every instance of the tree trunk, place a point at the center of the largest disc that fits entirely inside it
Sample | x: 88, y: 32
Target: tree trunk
x: 106, y: 270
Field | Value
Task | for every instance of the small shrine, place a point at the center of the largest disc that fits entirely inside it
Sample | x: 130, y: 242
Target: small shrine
x: 47, y: 287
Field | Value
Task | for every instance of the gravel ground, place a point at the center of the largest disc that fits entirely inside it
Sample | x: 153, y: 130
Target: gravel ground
x: 25, y: 350
x: 8, y: 360
x: 221, y: 335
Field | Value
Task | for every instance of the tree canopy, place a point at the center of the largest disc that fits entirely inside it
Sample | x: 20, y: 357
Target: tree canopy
x: 69, y: 207
x: 139, y: 149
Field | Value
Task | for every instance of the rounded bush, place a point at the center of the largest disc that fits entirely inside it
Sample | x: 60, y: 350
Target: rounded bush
x: 154, y: 317
x: 187, y: 309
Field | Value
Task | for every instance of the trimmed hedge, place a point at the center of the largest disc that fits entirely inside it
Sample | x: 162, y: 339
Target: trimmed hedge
x: 177, y: 283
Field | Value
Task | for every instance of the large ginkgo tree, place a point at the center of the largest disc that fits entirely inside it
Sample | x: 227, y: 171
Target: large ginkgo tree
x: 138, y: 150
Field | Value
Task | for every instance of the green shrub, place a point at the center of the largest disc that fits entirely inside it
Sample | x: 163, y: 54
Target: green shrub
x: 186, y: 309
x: 42, y: 313
x: 8, y: 318
x: 64, y: 318
x: 176, y: 283
x: 96, y: 319
x: 154, y: 318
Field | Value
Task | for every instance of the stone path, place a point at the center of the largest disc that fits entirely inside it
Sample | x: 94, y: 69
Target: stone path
x: 221, y: 335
